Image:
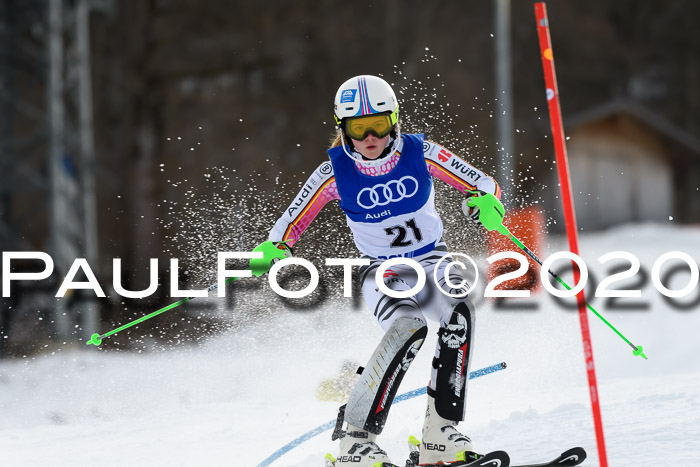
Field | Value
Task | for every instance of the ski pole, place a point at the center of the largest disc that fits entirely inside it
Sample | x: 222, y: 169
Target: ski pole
x: 258, y: 266
x: 96, y: 339
x: 491, y: 214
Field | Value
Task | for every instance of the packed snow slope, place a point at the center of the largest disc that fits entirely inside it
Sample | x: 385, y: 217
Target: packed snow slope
x: 237, y: 398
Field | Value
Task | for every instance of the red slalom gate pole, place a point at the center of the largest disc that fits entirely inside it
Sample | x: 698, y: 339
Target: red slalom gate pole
x: 569, y: 215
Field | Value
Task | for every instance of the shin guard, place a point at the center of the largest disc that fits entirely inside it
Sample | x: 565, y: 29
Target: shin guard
x: 374, y: 392
x: 452, y: 366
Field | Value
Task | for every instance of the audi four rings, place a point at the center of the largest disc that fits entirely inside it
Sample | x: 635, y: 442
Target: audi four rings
x: 382, y: 194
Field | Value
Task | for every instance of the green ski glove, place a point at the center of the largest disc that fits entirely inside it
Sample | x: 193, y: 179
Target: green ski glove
x: 490, y: 211
x: 272, y: 252
x: 472, y: 210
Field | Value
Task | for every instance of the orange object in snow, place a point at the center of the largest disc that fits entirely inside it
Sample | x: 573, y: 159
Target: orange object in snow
x: 527, y: 224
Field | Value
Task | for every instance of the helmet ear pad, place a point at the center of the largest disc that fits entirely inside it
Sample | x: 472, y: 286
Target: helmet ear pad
x: 349, y: 142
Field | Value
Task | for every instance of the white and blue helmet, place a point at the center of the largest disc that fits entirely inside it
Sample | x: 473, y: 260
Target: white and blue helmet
x: 366, y: 95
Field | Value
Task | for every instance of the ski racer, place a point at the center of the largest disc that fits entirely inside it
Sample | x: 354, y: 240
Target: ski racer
x: 382, y: 180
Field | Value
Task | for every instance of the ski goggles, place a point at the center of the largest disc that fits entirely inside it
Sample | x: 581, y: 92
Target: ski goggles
x: 358, y: 128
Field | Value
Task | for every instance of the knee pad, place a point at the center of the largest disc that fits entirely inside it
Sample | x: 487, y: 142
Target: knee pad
x: 379, y: 381
x: 455, y: 345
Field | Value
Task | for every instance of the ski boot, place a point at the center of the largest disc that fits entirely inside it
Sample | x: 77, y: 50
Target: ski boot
x: 441, y: 440
x: 359, y: 449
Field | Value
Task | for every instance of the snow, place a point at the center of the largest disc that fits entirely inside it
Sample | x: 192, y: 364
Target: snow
x: 240, y: 396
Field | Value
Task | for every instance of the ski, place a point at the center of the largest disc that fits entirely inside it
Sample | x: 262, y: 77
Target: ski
x: 469, y: 459
x: 490, y: 459
x: 573, y: 456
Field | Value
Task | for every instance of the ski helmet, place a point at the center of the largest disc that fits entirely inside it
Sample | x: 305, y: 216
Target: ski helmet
x: 362, y: 96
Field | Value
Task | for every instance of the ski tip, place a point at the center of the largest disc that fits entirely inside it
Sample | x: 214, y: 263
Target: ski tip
x: 493, y: 459
x: 573, y: 456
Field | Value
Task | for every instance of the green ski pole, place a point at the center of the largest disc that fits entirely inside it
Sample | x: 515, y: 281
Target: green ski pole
x: 491, y: 214
x: 96, y: 339
x: 258, y: 267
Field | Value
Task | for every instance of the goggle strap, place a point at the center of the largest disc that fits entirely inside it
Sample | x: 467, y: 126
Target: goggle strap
x: 394, y: 117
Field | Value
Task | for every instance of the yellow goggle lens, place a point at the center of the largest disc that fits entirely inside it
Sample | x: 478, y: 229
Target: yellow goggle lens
x: 358, y: 127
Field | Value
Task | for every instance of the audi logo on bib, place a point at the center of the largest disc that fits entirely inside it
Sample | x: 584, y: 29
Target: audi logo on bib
x: 382, y: 194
